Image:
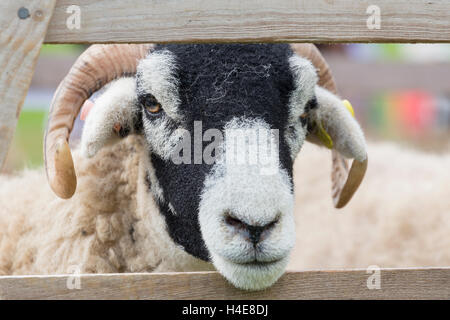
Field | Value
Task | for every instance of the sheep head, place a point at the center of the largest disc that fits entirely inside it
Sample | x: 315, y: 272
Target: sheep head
x: 223, y: 124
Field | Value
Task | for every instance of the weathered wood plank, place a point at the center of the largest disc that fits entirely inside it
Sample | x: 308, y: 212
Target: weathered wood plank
x: 426, y: 283
x: 20, y: 42
x: 250, y: 21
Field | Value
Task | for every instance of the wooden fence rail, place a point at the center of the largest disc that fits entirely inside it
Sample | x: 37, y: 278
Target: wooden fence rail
x: 426, y: 283
x: 251, y: 20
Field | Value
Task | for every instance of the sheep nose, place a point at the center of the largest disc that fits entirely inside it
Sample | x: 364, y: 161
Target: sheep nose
x: 252, y: 232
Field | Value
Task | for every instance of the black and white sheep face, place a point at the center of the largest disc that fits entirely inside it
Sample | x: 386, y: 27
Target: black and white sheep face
x: 238, y: 214
x: 239, y: 105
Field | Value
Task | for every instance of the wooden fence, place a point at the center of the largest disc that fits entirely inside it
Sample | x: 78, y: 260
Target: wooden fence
x: 26, y: 24
x: 426, y: 283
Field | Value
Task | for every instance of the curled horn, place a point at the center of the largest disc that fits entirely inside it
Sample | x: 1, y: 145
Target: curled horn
x: 345, y: 180
x: 97, y: 66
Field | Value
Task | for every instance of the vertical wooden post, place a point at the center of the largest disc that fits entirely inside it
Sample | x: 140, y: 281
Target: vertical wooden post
x: 23, y: 25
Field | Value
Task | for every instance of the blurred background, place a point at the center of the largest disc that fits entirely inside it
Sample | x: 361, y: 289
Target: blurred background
x: 400, y: 92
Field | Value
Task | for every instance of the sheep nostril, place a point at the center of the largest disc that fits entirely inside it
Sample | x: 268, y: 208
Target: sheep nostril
x: 234, y: 222
x: 254, y: 233
x: 271, y: 224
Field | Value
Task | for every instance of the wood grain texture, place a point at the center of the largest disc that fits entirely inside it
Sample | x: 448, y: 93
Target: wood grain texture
x: 20, y: 42
x: 251, y: 21
x: 427, y: 283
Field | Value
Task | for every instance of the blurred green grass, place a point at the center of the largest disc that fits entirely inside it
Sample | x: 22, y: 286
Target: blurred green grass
x: 62, y: 49
x: 26, y: 149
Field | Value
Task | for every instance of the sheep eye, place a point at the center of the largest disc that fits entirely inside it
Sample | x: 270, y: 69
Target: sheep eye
x: 154, y: 108
x: 151, y: 104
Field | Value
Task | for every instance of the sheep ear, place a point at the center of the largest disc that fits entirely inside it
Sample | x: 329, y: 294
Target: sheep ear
x: 332, y: 124
x: 112, y: 117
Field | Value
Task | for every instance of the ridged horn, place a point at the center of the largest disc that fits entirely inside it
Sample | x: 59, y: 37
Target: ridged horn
x: 345, y: 181
x: 96, y: 66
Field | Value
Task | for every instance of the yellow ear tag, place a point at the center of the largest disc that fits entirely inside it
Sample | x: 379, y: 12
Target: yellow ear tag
x: 323, y: 135
x: 349, y: 107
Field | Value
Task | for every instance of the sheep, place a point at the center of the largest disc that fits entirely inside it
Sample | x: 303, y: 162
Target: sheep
x: 135, y: 199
